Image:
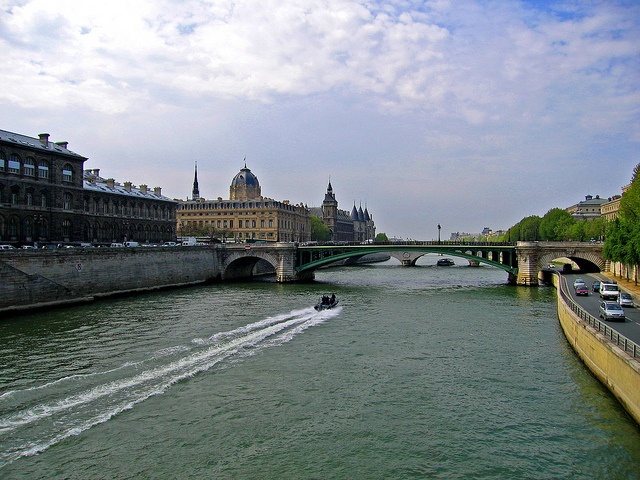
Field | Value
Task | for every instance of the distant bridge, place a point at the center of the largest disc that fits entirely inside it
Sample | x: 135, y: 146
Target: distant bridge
x: 522, y: 261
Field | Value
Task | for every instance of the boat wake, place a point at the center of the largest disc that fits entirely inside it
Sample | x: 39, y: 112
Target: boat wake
x: 33, y: 419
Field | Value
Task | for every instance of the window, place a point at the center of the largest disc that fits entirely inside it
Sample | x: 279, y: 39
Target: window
x: 66, y: 201
x: 261, y: 223
x: 28, y: 230
x: 43, y: 170
x: 30, y: 167
x: 14, y: 164
x: 67, y: 173
x: 66, y: 228
x: 12, y: 227
x: 43, y: 199
x: 3, y: 162
x: 30, y: 197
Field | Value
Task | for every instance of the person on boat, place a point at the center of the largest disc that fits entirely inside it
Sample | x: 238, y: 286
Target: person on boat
x: 333, y: 299
x: 325, y: 300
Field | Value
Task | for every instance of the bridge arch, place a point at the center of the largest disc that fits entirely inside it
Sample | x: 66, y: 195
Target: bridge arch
x: 240, y: 265
x: 588, y: 262
x: 500, y: 256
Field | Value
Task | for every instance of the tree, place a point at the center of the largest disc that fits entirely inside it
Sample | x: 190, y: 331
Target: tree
x: 526, y: 229
x: 319, y: 231
x: 382, y: 237
x: 622, y: 243
x: 630, y: 201
x: 555, y: 225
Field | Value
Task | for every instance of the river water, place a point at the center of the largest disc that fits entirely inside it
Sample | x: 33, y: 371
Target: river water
x: 420, y: 373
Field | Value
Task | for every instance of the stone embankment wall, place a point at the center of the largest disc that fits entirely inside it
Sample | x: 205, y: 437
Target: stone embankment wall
x: 619, y: 372
x: 40, y: 278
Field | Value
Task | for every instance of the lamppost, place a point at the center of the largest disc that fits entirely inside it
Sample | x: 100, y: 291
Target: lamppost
x: 37, y: 224
x: 439, y: 227
x: 125, y: 225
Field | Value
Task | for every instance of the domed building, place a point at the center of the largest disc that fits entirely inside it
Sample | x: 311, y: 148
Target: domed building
x: 244, y: 186
x: 246, y: 216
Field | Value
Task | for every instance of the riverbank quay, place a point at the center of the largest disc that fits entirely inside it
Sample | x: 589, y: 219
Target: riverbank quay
x: 613, y: 359
x: 42, y: 279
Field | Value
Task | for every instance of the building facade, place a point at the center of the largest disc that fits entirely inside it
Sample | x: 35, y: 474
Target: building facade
x: 245, y: 216
x: 611, y: 209
x: 47, y: 197
x: 357, y: 226
x: 116, y: 212
x: 588, y: 209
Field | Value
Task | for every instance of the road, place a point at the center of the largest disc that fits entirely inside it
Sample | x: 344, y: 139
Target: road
x: 630, y: 328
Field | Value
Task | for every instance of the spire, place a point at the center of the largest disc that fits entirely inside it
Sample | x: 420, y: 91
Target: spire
x: 329, y: 196
x: 195, y: 194
x: 354, y: 213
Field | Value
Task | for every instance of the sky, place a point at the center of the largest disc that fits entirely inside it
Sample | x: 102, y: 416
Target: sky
x: 464, y: 113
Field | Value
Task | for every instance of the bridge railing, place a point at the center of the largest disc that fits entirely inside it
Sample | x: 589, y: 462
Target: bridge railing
x: 621, y: 341
x: 413, y: 242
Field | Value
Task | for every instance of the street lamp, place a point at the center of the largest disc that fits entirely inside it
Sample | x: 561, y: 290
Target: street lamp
x: 37, y: 226
x: 439, y: 227
x: 125, y: 227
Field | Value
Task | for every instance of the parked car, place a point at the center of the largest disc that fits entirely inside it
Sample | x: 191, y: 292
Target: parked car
x: 611, y: 311
x: 578, y: 281
x: 582, y: 290
x: 595, y: 286
x: 625, y: 300
x: 6, y: 247
x: 609, y: 291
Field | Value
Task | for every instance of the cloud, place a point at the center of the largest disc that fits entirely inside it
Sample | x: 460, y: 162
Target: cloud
x: 493, y: 90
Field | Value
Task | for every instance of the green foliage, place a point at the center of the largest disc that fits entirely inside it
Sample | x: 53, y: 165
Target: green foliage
x: 319, y: 231
x: 622, y: 243
x: 630, y: 201
x: 382, y: 237
x: 556, y: 225
x: 526, y: 230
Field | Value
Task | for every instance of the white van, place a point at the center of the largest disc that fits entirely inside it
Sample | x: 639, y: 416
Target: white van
x: 115, y: 245
x: 609, y: 291
x: 131, y: 244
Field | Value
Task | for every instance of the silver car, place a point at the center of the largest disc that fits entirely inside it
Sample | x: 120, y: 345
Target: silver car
x: 626, y: 300
x: 611, y: 311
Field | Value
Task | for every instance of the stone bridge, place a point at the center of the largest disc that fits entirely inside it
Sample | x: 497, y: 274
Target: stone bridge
x: 523, y: 261
x: 41, y: 278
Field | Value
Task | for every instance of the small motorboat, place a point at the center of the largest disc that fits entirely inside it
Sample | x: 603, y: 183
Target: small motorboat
x: 326, y: 302
x: 445, y: 262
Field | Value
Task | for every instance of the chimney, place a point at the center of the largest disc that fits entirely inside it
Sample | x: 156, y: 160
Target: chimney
x: 143, y: 188
x: 157, y: 191
x: 111, y: 182
x: 63, y: 144
x: 96, y: 172
x: 588, y: 197
x: 44, y: 139
x: 127, y: 186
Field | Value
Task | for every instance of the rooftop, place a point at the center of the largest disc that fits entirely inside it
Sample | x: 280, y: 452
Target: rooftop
x: 42, y: 143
